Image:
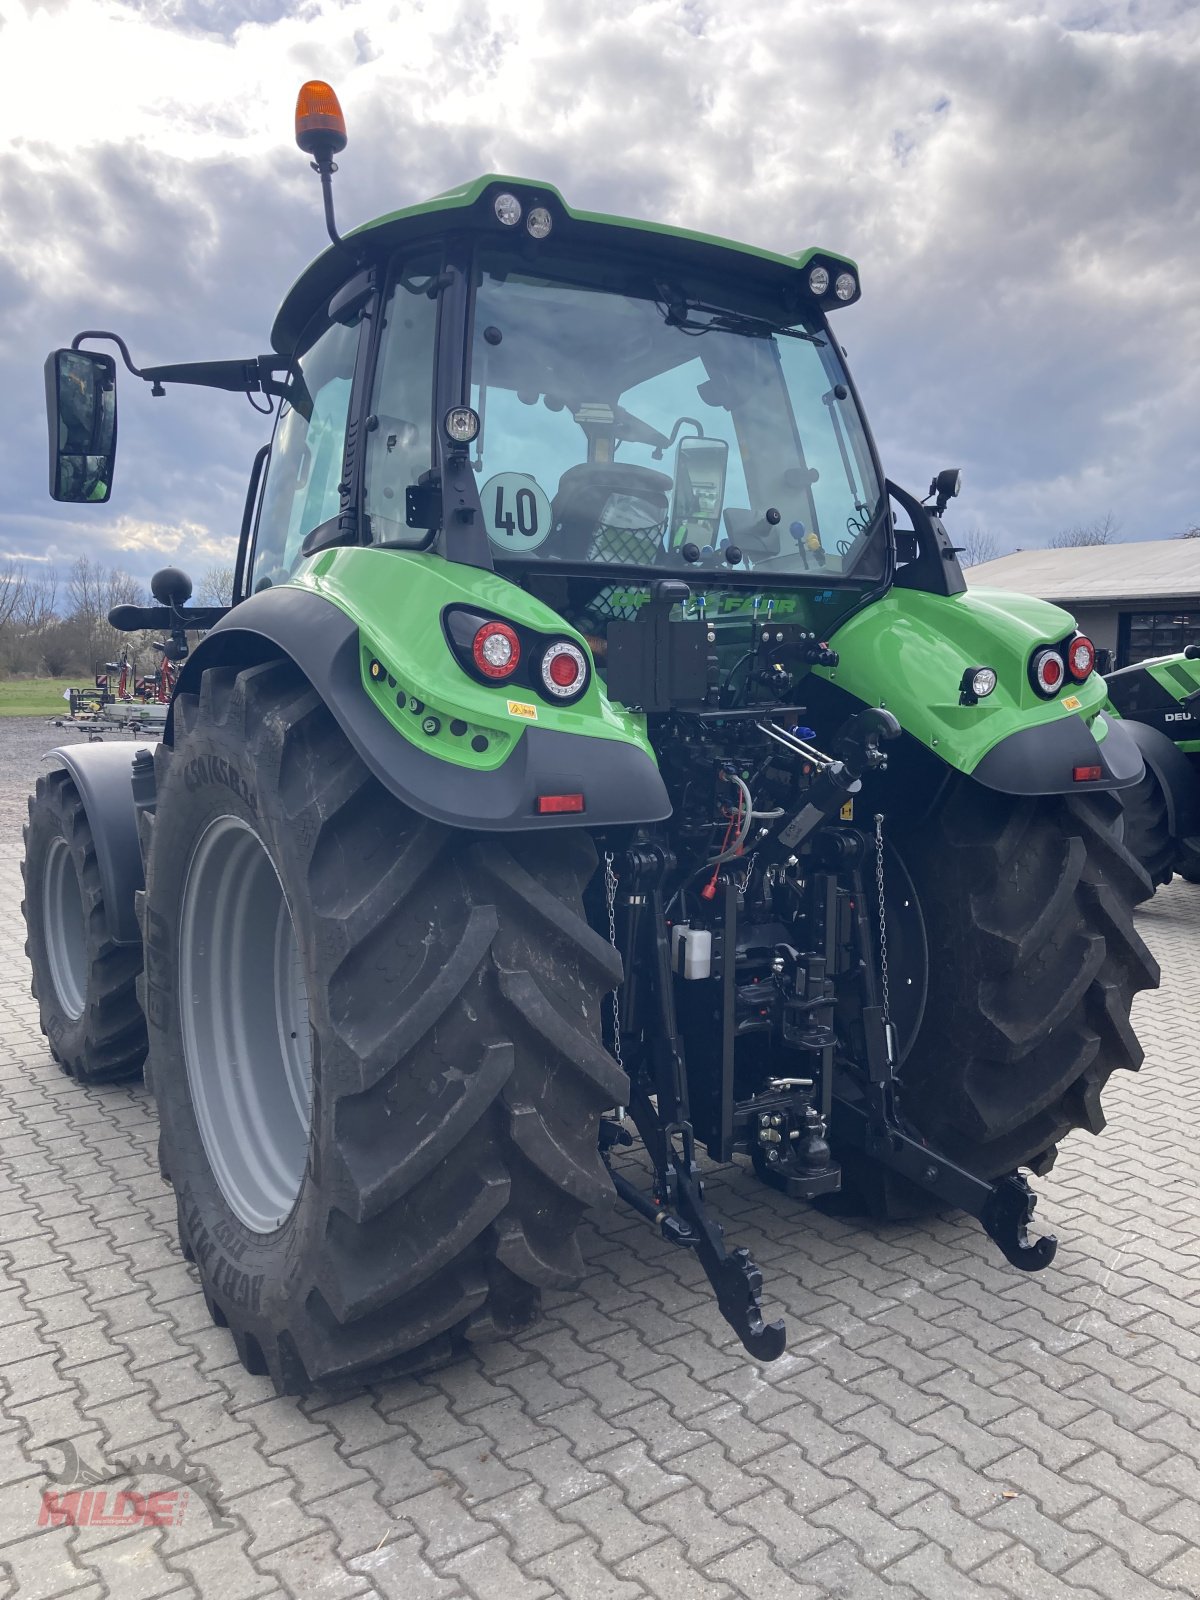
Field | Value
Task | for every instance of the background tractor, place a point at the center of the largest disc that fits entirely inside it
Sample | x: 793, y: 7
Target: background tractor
x: 1159, y: 702
x: 587, y: 751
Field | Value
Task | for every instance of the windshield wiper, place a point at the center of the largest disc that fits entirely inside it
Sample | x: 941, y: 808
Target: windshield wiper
x: 675, y: 308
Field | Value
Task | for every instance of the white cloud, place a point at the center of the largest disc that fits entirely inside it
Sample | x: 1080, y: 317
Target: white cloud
x: 1020, y: 183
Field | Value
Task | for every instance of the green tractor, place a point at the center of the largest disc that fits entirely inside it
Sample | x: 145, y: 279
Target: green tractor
x: 1159, y: 702
x: 586, y: 753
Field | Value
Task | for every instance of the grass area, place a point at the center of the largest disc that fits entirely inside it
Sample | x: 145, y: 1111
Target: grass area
x: 36, y: 697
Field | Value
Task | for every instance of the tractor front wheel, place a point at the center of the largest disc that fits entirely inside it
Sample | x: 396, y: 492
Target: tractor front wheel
x: 375, y: 1044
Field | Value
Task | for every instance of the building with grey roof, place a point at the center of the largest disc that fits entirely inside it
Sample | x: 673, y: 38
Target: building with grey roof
x: 1134, y: 600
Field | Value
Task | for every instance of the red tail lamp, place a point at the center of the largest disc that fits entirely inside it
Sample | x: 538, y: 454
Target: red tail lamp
x: 496, y: 650
x: 564, y: 670
x: 1081, y: 657
x: 1087, y: 774
x: 1046, y: 671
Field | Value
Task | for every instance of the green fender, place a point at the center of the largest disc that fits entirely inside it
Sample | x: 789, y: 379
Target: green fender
x: 365, y: 627
x: 908, y: 652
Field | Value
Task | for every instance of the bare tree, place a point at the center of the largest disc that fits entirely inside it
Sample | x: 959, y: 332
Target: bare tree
x: 1103, y: 530
x: 12, y: 581
x: 216, y: 587
x: 1190, y: 533
x: 38, y: 603
x: 92, y: 591
x: 979, y: 544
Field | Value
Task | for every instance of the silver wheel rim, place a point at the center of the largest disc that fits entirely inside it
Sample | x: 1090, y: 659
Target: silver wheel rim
x: 66, y: 936
x: 244, y: 1016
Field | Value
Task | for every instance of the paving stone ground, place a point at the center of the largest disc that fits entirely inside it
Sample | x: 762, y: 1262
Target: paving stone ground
x: 941, y: 1426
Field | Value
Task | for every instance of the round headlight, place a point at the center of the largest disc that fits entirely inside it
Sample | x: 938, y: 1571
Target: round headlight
x: 461, y: 424
x: 983, y: 681
x: 508, y: 209
x: 539, y: 222
x: 846, y: 286
x: 818, y: 280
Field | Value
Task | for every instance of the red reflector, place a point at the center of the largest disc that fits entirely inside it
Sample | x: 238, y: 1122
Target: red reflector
x: 553, y: 804
x: 1087, y: 774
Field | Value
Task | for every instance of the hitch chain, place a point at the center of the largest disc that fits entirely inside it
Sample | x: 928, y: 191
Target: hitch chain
x: 884, y: 989
x: 610, y: 896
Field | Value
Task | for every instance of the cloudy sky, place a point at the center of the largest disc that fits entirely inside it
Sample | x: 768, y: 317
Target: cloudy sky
x: 1018, y: 179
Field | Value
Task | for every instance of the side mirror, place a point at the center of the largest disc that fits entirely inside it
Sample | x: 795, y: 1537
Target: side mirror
x: 81, y: 411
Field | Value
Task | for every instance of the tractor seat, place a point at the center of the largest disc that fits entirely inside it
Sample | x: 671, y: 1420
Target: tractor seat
x: 611, y: 511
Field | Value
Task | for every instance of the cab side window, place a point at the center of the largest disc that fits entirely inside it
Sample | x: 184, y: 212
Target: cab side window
x: 305, y: 465
x: 399, y: 446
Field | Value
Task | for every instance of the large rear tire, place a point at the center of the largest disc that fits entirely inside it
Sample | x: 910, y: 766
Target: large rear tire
x: 1034, y: 962
x: 1147, y: 833
x: 82, y: 980
x: 409, y: 1182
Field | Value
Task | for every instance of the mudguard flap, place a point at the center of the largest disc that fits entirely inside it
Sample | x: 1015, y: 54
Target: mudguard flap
x: 1043, y: 759
x: 103, y: 774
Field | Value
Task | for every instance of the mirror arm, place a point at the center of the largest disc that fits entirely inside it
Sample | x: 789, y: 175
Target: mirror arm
x: 253, y: 375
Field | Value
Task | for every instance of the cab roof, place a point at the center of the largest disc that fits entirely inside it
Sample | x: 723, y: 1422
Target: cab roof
x: 470, y: 208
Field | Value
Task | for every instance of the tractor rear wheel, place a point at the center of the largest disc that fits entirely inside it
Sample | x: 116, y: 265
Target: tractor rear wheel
x: 1148, y: 829
x: 82, y: 980
x: 1033, y: 964
x: 375, y: 1045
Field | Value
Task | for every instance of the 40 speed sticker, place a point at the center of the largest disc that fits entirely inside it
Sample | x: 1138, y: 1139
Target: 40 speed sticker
x: 517, y: 511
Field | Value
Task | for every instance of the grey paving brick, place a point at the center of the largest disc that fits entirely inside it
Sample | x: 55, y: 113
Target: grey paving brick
x: 1016, y: 1571
x: 641, y: 1479
x: 964, y: 1540
x: 444, y: 1523
x: 755, y: 1572
x: 1056, y: 1493
x: 1141, y: 1547
x: 490, y: 1573
x: 575, y: 1572
x: 1054, y: 1542
x: 878, y: 1539
x: 223, y: 1567
x: 617, y: 1531
x: 398, y: 1570
x: 929, y: 1571
x: 1137, y: 1496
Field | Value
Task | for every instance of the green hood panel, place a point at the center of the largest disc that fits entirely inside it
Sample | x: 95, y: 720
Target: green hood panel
x: 1176, y: 674
x: 909, y: 650
x: 396, y: 599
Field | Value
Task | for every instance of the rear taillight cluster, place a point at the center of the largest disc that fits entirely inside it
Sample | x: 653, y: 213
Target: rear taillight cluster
x: 498, y: 652
x: 1050, y: 667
